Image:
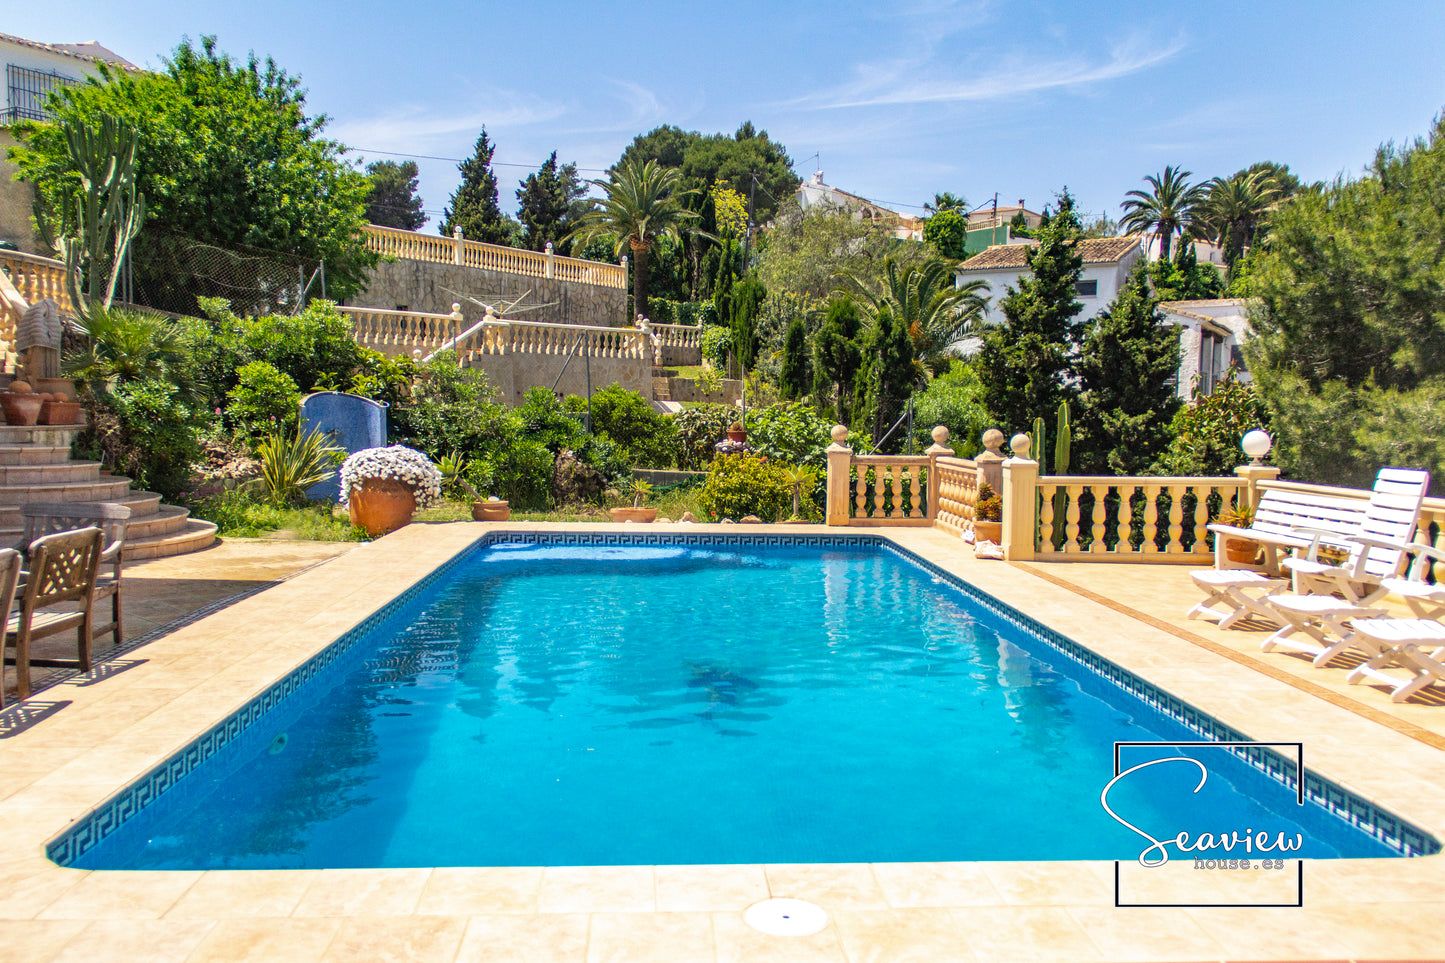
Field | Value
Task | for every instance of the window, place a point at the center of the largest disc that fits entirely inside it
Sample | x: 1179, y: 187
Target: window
x: 1086, y: 289
x: 29, y: 90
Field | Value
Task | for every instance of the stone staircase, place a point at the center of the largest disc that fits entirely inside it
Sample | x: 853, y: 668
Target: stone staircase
x: 35, y: 466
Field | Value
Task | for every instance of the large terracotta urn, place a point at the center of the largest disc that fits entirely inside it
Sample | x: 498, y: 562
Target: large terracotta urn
x: 381, y: 505
x: 20, y: 404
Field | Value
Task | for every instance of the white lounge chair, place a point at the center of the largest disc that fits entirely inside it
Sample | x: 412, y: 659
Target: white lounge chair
x: 1415, y: 645
x: 1324, y: 618
x: 1233, y: 594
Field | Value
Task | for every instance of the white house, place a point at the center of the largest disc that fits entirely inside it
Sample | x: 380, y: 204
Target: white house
x: 1107, y: 263
x: 1210, y: 342
x: 813, y: 193
x: 33, y: 69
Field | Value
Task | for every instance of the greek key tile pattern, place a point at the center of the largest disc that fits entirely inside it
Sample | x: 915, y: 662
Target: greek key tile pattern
x: 153, y: 788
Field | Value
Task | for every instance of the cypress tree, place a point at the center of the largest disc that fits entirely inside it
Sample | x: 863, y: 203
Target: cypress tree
x: 1126, y: 365
x: 1024, y: 364
x: 886, y: 379
x: 746, y: 301
x: 836, y: 357
x: 794, y: 376
x: 474, y: 204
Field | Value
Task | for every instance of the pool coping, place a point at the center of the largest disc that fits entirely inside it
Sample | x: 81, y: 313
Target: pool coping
x: 196, y: 677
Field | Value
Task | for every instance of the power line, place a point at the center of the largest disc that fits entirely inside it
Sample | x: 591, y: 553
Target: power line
x: 459, y: 160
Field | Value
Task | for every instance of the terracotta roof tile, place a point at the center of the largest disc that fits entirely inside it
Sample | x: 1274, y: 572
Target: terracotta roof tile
x: 90, y: 50
x: 1095, y: 250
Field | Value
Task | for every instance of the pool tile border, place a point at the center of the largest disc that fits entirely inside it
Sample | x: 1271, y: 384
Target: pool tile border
x: 91, y: 829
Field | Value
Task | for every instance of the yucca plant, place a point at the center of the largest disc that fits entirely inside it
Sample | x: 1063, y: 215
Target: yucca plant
x: 454, y: 468
x: 290, y: 465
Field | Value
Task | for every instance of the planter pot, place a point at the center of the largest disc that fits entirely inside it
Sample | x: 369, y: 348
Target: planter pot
x: 491, y: 511
x: 62, y: 388
x: 1241, y: 551
x: 381, y: 505
x: 60, y: 413
x: 21, y: 408
x: 988, y: 532
x: 632, y: 514
x: 737, y: 435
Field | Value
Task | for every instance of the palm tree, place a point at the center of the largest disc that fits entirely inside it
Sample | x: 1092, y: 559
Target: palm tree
x: 1166, y: 210
x: 925, y: 298
x: 947, y: 201
x: 640, y: 207
x: 1235, y: 207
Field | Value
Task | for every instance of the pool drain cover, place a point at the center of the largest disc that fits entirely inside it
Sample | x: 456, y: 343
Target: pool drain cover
x: 786, y: 917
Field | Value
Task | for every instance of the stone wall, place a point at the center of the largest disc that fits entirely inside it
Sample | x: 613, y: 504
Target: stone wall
x: 433, y: 287
x: 513, y: 374
x: 730, y: 392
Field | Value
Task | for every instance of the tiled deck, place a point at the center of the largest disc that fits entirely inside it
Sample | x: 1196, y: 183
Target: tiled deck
x: 111, y: 730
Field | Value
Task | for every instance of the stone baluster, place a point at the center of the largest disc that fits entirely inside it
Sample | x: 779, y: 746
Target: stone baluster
x: 1019, y: 488
x: 939, y: 449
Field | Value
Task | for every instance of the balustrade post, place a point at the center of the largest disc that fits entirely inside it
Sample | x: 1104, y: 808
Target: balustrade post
x: 936, y: 451
x: 840, y: 460
x: 547, y: 261
x: 990, y: 462
x: 1020, y: 501
x: 1256, y: 444
x: 457, y: 243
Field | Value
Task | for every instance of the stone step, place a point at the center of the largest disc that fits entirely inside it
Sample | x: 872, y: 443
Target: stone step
x: 196, y: 535
x: 108, y: 489
x: 39, y: 434
x: 161, y: 521
x: 56, y: 474
x: 142, y: 504
x: 33, y: 454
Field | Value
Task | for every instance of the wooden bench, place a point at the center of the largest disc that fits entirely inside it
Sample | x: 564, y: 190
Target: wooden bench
x: 1293, y: 516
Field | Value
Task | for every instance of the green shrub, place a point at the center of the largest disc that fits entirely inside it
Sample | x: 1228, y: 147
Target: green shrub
x: 742, y: 485
x: 1208, y: 431
x: 145, y: 430
x: 630, y: 421
x: 717, y: 344
x: 522, y: 475
x: 699, y: 428
x: 954, y: 400
x: 264, y: 400
x: 793, y: 433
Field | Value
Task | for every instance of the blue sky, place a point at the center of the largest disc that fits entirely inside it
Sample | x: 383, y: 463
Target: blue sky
x: 896, y: 100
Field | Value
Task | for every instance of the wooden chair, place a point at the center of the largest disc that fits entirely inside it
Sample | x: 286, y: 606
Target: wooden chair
x: 9, y: 577
x: 62, y: 569
x: 46, y: 518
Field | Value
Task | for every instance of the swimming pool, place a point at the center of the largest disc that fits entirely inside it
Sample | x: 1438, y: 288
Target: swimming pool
x: 555, y: 699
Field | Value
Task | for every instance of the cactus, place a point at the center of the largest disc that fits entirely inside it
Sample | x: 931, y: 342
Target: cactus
x: 105, y: 214
x: 1036, y: 445
x: 1064, y: 436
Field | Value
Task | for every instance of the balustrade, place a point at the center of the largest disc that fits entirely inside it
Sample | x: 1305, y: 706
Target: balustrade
x: 415, y: 246
x: 1129, y: 519
x: 957, y: 481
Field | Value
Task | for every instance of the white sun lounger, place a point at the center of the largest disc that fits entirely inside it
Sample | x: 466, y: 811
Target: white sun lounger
x: 1234, y: 594
x: 1415, y: 645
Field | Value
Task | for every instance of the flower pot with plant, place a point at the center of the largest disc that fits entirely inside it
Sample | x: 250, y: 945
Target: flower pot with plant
x: 382, y: 487
x: 454, y: 469
x: 736, y: 432
x: 988, y: 516
x: 636, y: 513
x: 1239, y: 550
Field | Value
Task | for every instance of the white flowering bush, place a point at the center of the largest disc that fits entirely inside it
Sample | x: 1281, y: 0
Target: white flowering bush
x: 399, y: 463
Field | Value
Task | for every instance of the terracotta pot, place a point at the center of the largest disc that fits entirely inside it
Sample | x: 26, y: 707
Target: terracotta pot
x: 988, y: 532
x: 491, y: 511
x: 632, y: 514
x: 60, y: 413
x: 21, y: 407
x: 737, y: 435
x: 381, y: 505
x: 1241, y: 551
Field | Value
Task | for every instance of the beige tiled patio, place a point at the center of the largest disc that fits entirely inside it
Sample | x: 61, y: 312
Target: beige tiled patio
x: 110, y: 730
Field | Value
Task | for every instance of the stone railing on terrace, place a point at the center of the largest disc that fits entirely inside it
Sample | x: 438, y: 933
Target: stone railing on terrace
x: 1120, y: 519
x: 498, y: 337
x: 679, y: 344
x: 957, y: 492
x: 413, y: 245
x: 36, y: 278
x: 403, y: 332
x: 896, y: 490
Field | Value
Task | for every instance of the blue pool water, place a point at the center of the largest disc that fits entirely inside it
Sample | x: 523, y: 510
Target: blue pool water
x: 586, y: 704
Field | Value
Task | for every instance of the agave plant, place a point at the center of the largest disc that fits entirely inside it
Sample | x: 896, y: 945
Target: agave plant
x: 290, y: 465
x: 454, y: 468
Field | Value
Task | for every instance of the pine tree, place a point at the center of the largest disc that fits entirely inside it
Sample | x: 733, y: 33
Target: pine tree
x: 794, y: 376
x: 836, y: 357
x: 1025, y: 361
x: 474, y: 204
x: 547, y: 202
x: 393, y: 201
x: 1126, y: 367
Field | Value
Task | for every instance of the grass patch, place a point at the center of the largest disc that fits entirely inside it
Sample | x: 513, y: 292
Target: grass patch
x: 237, y: 515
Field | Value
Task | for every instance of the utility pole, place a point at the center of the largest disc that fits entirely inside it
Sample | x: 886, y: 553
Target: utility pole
x: 748, y: 235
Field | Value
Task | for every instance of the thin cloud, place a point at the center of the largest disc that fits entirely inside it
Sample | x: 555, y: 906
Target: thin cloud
x: 891, y: 84
x: 405, y: 126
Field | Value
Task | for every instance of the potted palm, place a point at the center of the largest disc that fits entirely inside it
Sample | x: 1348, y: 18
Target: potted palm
x: 383, y: 487
x: 1239, y: 550
x: 988, y: 515
x: 636, y: 513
